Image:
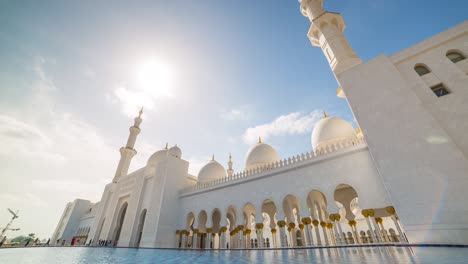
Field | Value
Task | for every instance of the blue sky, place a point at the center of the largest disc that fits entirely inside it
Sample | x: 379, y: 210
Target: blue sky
x: 68, y: 84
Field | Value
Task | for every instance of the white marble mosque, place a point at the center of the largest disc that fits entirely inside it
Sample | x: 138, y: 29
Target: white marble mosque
x: 401, y: 176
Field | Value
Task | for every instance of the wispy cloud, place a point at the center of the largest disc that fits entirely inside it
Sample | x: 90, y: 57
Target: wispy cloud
x: 131, y: 100
x: 196, y: 163
x: 45, y: 149
x: 151, y: 81
x: 290, y: 124
x: 243, y: 112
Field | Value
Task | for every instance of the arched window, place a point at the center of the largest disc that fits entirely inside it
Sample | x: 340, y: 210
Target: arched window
x: 455, y: 56
x: 421, y: 70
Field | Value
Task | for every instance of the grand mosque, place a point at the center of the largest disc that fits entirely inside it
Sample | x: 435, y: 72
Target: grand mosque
x: 400, y: 176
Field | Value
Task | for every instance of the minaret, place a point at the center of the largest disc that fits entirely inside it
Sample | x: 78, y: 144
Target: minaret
x: 326, y: 31
x: 127, y: 152
x: 230, y: 171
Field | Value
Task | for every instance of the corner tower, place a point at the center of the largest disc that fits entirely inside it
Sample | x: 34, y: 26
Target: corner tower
x: 326, y: 31
x: 128, y: 152
x: 414, y: 136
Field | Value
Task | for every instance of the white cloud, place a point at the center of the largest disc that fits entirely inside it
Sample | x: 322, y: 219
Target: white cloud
x: 151, y: 81
x: 132, y: 100
x: 12, y: 128
x: 89, y: 73
x: 290, y: 124
x: 243, y: 112
x: 196, y: 163
x: 23, y: 198
x: 50, y: 156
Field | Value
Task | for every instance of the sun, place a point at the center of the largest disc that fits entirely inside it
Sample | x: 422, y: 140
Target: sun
x: 155, y: 77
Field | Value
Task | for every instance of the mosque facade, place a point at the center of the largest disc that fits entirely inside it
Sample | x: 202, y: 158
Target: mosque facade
x: 400, y: 177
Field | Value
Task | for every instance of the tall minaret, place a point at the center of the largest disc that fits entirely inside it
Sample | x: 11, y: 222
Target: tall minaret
x: 326, y: 31
x: 127, y: 152
x: 230, y: 171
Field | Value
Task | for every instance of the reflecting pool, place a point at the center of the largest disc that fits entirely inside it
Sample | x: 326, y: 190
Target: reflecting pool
x: 323, y: 255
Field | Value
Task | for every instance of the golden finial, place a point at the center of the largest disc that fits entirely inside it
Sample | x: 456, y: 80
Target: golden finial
x: 259, y: 140
x: 230, y: 157
x: 167, y: 146
x: 358, y: 130
x: 325, y: 114
x: 212, y: 157
x: 141, y: 112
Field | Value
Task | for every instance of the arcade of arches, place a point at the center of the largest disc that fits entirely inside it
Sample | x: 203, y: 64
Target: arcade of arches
x: 292, y: 222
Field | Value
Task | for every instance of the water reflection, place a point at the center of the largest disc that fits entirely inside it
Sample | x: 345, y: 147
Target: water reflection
x: 322, y: 255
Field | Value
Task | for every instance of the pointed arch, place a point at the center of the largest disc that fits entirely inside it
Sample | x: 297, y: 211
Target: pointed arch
x: 189, y: 221
x: 216, y: 220
x: 231, y: 215
x: 141, y: 224
x: 347, y: 198
x: 119, y: 224
x: 421, y: 69
x: 201, y: 223
x: 317, y: 203
x: 269, y: 207
x: 455, y: 56
x: 248, y: 211
x: 291, y: 208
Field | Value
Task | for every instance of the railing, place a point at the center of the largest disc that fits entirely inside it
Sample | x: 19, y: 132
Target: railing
x: 288, y: 162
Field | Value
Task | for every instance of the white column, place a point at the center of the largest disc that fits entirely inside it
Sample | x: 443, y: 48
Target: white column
x: 282, y: 233
x: 340, y: 230
x: 325, y: 235
x: 222, y: 237
x: 317, y: 232
x: 337, y: 233
x: 377, y: 229
x: 184, y: 239
x: 398, y: 227
x: 331, y: 234
x: 208, y: 238
x: 308, y: 235
x: 352, y: 224
x: 366, y: 213
x: 195, y: 239
x: 307, y: 232
x: 241, y: 236
x: 382, y: 229
x: 259, y: 231
x: 177, y: 239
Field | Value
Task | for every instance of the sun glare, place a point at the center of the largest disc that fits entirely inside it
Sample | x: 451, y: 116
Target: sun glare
x: 155, y: 77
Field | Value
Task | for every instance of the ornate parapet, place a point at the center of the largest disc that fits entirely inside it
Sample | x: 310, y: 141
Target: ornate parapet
x: 276, y: 167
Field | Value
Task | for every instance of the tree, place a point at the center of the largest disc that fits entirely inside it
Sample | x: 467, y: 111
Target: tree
x: 31, y: 237
x: 19, y: 239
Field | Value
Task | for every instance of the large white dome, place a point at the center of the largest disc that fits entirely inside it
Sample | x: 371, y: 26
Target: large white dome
x: 259, y: 155
x: 212, y: 170
x: 157, y: 157
x: 175, y: 151
x: 331, y: 130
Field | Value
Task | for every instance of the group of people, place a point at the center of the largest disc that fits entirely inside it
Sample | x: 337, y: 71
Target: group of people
x: 29, y: 242
x: 74, y: 241
x: 105, y: 243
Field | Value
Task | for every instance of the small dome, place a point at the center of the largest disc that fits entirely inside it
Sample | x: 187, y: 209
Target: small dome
x: 175, y: 151
x: 157, y: 157
x: 331, y: 130
x: 212, y: 170
x: 259, y: 155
